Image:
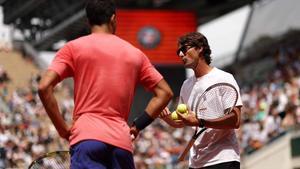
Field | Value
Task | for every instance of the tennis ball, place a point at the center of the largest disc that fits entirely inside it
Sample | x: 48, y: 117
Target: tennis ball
x: 174, y: 115
x: 182, y: 108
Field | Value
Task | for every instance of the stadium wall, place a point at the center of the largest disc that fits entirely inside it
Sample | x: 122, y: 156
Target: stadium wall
x: 280, y: 154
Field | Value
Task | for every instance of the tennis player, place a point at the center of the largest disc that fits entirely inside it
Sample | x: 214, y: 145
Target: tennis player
x: 217, y: 147
x: 106, y: 71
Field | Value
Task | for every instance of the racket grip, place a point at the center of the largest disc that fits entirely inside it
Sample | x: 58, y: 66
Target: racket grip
x: 186, y: 150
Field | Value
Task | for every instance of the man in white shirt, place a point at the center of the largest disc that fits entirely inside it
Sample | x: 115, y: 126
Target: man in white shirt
x: 217, y: 147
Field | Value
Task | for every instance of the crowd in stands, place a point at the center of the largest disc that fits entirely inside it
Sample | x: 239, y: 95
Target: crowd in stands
x: 25, y: 130
x: 271, y: 108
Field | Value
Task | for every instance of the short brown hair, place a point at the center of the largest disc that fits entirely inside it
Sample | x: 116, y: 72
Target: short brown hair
x: 197, y: 40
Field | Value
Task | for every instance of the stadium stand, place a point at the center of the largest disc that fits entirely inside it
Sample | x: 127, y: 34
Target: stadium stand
x: 25, y: 130
x: 46, y: 22
x: 20, y: 68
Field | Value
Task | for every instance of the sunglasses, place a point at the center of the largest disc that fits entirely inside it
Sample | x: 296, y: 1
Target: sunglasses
x: 183, y: 49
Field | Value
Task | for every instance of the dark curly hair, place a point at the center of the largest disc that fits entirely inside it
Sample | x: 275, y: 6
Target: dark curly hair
x: 99, y: 12
x: 197, y: 40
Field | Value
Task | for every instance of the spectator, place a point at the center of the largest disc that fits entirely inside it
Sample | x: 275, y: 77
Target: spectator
x: 290, y: 119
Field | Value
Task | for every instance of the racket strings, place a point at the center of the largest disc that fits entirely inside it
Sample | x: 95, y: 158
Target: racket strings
x: 229, y: 99
x: 53, y: 161
x: 215, y: 101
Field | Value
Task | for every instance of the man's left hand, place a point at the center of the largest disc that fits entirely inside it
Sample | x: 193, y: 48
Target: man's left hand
x: 189, y: 119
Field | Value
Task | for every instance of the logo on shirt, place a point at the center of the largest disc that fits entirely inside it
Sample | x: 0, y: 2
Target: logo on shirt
x: 149, y: 37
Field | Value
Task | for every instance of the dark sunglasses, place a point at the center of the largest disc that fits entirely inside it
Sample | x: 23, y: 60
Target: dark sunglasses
x: 183, y: 49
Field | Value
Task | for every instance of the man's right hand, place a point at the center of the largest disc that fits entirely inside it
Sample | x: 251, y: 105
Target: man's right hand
x: 165, y: 113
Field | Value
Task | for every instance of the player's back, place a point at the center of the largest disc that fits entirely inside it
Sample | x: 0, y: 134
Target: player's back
x: 106, y: 72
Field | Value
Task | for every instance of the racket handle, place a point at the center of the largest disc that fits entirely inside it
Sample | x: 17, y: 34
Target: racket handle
x: 186, y: 150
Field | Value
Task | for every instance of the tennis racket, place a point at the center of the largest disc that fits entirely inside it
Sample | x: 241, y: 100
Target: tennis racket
x: 216, y: 101
x: 53, y: 160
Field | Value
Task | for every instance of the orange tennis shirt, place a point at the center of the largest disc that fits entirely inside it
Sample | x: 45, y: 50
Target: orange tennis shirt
x: 106, y: 71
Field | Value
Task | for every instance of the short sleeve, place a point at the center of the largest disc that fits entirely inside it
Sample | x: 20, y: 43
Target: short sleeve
x: 149, y: 76
x: 234, y: 83
x: 63, y: 63
x: 181, y: 94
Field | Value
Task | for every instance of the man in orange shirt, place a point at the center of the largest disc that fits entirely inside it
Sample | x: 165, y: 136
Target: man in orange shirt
x: 106, y: 71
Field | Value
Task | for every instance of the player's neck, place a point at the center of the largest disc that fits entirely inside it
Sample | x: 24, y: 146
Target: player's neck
x: 202, y: 69
x: 101, y: 29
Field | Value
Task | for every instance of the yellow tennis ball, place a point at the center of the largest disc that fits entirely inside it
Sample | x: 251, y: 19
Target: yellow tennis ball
x: 182, y: 108
x: 174, y: 115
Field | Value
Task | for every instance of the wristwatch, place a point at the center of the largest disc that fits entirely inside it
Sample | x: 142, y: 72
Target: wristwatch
x: 201, y: 123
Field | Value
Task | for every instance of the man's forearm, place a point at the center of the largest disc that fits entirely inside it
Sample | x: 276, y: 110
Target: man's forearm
x: 162, y: 95
x: 51, y: 107
x: 230, y: 121
x: 156, y: 105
